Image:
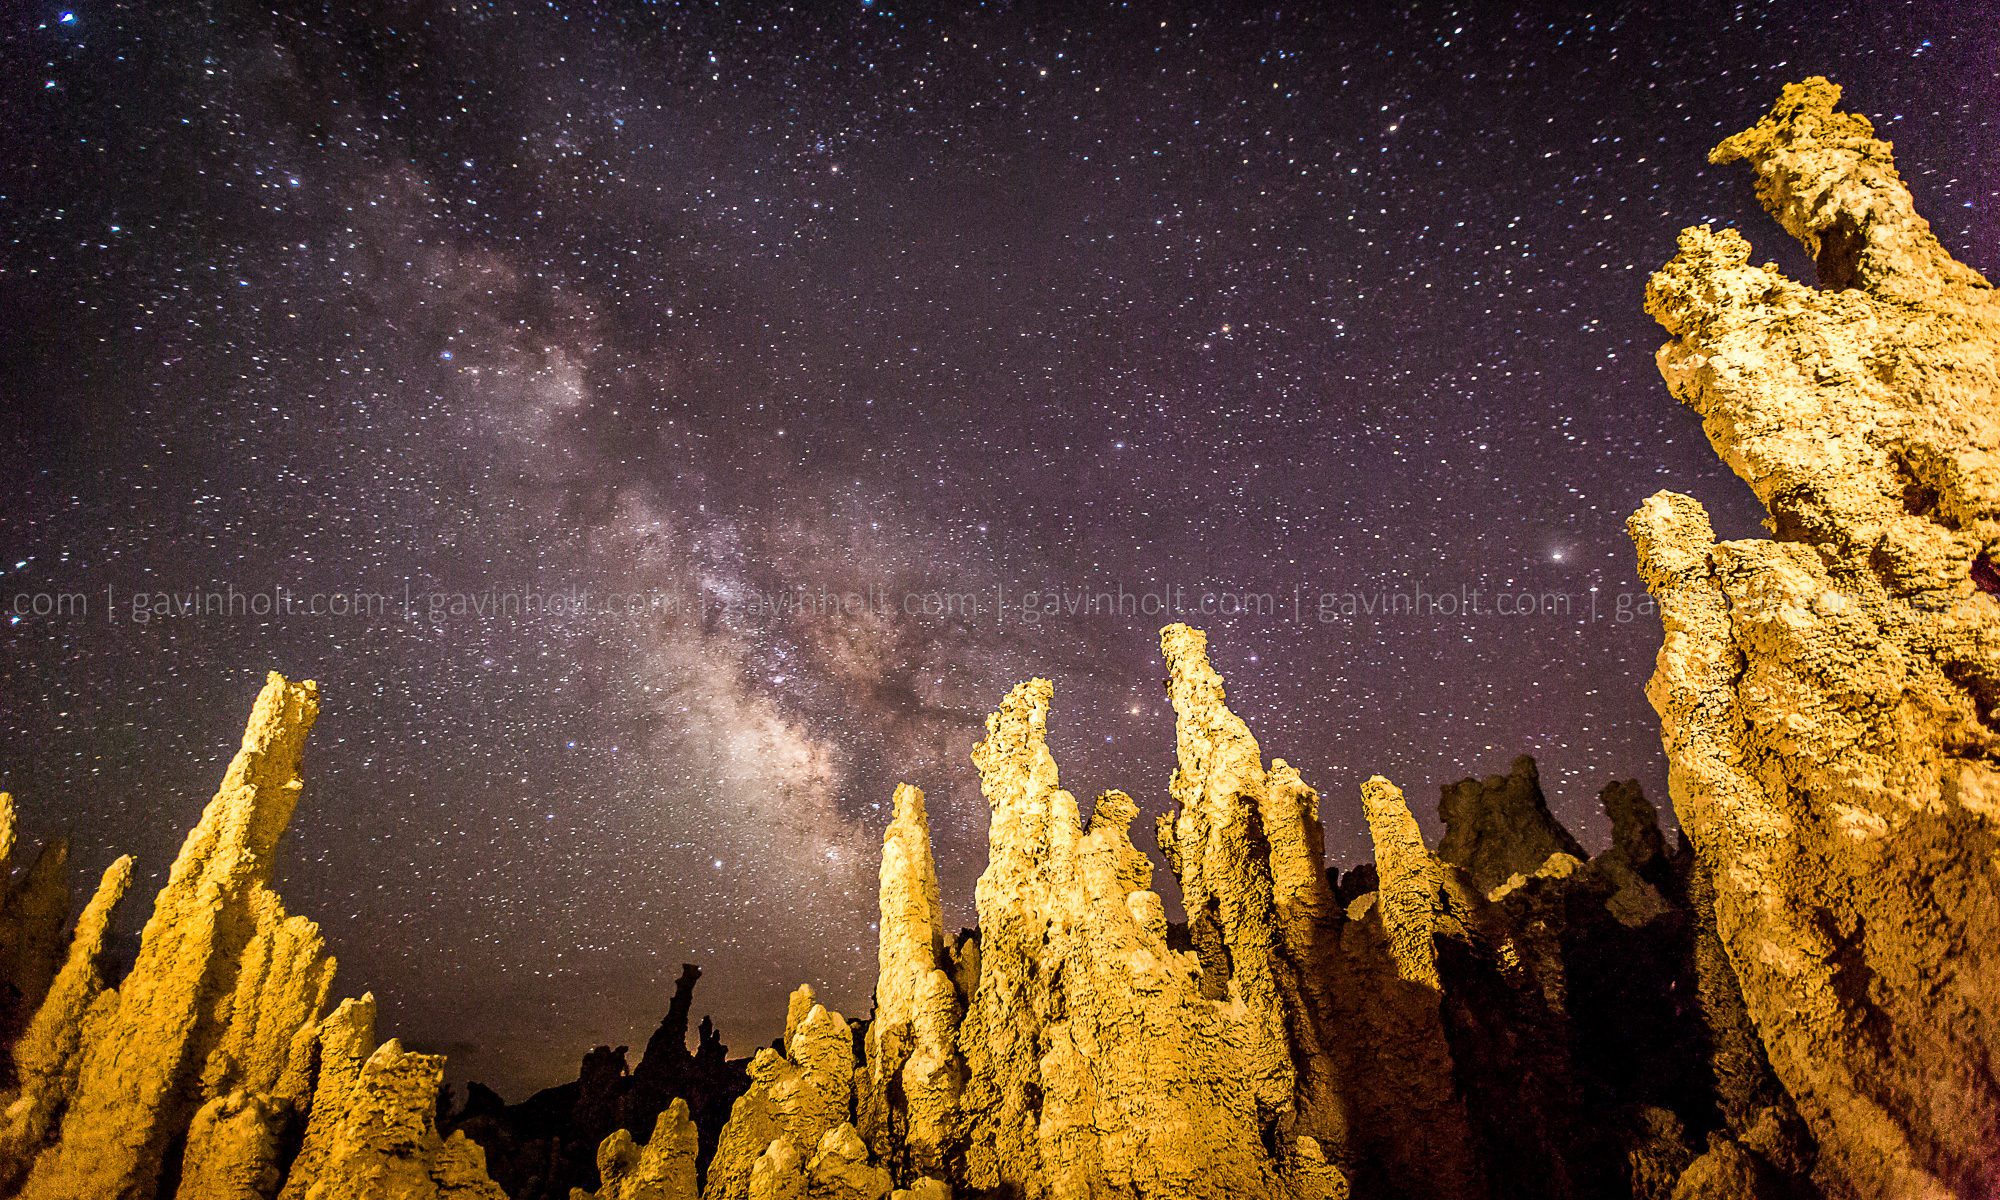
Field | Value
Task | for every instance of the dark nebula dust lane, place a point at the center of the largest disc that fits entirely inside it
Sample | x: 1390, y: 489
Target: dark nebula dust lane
x: 662, y: 429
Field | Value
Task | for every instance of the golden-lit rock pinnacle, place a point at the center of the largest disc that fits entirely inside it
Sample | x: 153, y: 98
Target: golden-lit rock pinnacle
x: 1827, y: 698
x: 795, y: 1097
x: 143, y: 1067
x: 914, y: 1071
x: 662, y: 1169
x: 213, y: 1046
x: 46, y: 1059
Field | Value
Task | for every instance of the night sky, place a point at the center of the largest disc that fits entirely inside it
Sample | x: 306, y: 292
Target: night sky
x: 406, y: 309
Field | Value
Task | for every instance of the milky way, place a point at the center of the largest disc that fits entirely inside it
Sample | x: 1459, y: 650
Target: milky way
x: 660, y: 429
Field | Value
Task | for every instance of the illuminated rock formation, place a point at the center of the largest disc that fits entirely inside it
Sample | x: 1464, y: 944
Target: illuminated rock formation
x: 1247, y: 848
x: 33, y: 906
x: 795, y: 1097
x: 1411, y: 1131
x: 1432, y: 1038
x: 260, y: 1075
x: 914, y: 1070
x: 1828, y: 697
x: 46, y: 1057
x: 840, y: 1170
x: 381, y: 1138
x: 1097, y: 1060
x: 172, y: 1036
x: 346, y: 1039
x: 1576, y: 1030
x: 662, y: 1169
x: 778, y: 1174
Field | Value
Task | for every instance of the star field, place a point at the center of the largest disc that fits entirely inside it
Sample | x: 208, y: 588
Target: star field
x: 661, y: 428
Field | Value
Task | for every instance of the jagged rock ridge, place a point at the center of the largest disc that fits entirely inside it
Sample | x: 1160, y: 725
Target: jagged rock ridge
x: 1424, y: 1038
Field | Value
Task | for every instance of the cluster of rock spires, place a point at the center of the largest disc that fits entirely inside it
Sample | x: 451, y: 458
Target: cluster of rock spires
x: 212, y: 1068
x: 1800, y: 999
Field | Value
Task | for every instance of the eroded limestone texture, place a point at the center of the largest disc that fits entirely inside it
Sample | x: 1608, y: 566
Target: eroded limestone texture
x: 1828, y: 697
x: 382, y: 1138
x: 173, y: 1038
x: 1099, y: 1060
x: 46, y: 1058
x: 346, y: 1039
x: 1247, y: 849
x: 662, y: 1169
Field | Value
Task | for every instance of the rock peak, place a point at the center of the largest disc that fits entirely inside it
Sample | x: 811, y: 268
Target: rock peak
x: 1501, y: 826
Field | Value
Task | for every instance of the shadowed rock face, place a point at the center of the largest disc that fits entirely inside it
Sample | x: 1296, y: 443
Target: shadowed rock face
x: 1827, y: 698
x: 34, y: 903
x: 1500, y: 826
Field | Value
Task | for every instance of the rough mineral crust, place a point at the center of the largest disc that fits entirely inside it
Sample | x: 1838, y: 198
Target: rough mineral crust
x: 838, y: 1170
x: 1828, y: 698
x: 1247, y: 848
x: 1098, y: 1061
x: 46, y: 1057
x: 346, y: 1039
x: 33, y: 906
x: 1411, y: 1132
x: 662, y: 1169
x: 381, y: 1139
x: 173, y: 1033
